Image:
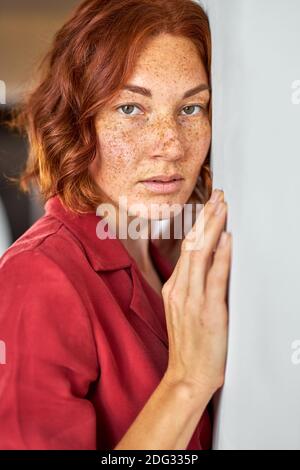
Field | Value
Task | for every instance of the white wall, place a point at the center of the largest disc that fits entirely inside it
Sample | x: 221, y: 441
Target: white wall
x: 256, y: 160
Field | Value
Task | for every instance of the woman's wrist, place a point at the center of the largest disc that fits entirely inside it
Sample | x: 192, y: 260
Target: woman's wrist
x: 196, y: 392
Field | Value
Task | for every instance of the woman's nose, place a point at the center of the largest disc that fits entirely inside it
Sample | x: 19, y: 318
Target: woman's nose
x: 167, y: 142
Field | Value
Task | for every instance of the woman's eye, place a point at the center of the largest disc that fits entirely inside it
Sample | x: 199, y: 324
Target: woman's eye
x: 191, y: 108
x: 128, y: 108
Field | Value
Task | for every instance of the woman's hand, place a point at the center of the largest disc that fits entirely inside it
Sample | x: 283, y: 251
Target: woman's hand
x: 195, y: 303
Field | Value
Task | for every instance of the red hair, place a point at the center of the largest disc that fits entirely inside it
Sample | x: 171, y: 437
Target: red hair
x: 91, y: 58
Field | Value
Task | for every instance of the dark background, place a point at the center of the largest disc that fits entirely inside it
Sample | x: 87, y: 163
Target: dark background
x: 26, y: 30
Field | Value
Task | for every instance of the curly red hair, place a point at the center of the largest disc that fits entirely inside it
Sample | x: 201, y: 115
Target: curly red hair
x: 91, y: 58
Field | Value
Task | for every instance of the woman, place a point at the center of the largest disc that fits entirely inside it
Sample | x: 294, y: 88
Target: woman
x: 109, y: 343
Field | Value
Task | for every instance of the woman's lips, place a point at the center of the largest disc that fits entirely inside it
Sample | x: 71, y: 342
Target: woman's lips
x: 163, y: 187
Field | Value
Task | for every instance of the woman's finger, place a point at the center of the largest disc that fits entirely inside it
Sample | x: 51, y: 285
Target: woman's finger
x: 201, y: 259
x: 217, y: 278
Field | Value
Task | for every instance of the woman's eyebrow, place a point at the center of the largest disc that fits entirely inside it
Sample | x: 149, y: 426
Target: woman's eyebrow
x: 147, y: 92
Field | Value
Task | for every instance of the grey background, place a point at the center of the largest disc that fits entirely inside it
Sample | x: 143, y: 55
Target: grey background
x: 26, y: 30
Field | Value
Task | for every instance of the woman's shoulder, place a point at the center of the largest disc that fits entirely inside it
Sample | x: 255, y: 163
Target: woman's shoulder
x: 46, y: 243
x: 44, y: 322
x: 48, y: 265
x: 37, y: 278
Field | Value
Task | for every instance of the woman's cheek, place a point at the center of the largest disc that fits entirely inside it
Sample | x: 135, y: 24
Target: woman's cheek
x: 116, y: 141
x: 196, y: 136
x: 126, y: 135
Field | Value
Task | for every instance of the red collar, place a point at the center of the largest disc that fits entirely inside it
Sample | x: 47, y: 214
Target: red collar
x: 108, y: 254
x: 111, y: 254
x: 104, y: 255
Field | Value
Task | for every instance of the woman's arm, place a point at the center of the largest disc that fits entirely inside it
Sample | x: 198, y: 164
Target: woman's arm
x: 50, y: 358
x: 169, y: 418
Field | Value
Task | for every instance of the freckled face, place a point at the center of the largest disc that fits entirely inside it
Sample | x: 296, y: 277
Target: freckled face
x: 162, y: 134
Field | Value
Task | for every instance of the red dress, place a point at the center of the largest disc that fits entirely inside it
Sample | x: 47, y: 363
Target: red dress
x: 85, y: 335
